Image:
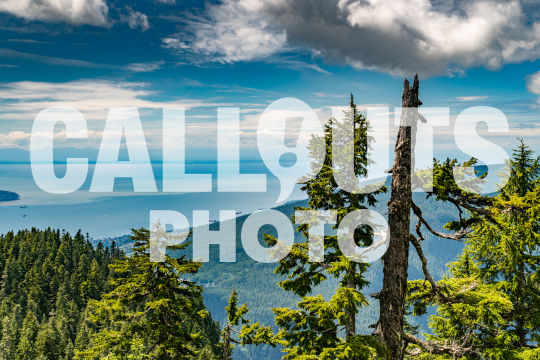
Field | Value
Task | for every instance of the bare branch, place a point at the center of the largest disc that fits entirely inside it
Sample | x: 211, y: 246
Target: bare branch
x: 423, y: 260
x: 451, y: 348
x: 458, y: 236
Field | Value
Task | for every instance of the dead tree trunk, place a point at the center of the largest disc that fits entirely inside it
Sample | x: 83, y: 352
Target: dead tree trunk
x: 396, y: 259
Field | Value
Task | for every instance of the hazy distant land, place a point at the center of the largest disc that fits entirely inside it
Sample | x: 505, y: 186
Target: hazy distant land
x: 8, y: 196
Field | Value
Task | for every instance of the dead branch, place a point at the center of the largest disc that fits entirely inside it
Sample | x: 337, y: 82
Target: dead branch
x: 458, y: 236
x: 450, y: 348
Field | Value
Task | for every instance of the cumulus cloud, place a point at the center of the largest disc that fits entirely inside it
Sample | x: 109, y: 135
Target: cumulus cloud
x: 533, y: 84
x: 395, y: 36
x: 14, y: 139
x: 136, y: 20
x: 231, y: 31
x: 92, y: 12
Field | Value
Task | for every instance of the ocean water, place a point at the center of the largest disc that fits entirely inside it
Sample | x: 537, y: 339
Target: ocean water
x: 114, y: 214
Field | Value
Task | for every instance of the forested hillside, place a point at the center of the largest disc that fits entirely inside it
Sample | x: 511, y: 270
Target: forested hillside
x: 256, y: 283
x: 459, y: 282
x: 51, y: 284
x: 48, y: 278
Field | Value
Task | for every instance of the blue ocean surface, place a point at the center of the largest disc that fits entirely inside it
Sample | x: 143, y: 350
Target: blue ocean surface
x: 114, y: 214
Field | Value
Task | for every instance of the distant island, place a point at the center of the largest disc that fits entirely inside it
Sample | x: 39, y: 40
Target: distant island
x: 8, y: 196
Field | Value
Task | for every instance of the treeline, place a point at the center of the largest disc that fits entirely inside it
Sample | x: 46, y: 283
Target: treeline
x: 62, y: 298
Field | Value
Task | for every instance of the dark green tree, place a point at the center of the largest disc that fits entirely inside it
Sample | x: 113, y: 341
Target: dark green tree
x: 152, y: 312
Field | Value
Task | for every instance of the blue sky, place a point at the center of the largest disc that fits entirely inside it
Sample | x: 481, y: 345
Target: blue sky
x: 97, y: 54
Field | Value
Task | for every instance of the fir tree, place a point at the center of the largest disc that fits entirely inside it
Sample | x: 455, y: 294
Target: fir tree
x: 235, y: 317
x: 319, y: 328
x: 151, y: 310
x: 488, y: 306
x: 48, y: 342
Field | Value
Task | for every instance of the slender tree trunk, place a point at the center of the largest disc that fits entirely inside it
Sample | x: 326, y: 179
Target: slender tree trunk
x: 520, y: 311
x: 396, y: 259
x: 350, y: 327
x: 227, y: 342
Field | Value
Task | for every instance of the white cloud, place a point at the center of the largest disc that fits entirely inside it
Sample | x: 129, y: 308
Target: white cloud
x: 134, y: 67
x: 22, y: 100
x: 145, y: 67
x: 472, y: 98
x: 395, y: 36
x: 330, y: 95
x: 136, y: 20
x: 533, y: 84
x: 235, y: 30
x: 28, y: 97
x: 14, y: 139
x: 93, y: 12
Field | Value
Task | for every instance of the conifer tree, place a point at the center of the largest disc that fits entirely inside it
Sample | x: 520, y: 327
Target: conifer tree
x: 90, y: 288
x: 8, y: 341
x: 488, y: 305
x: 26, y: 349
x: 48, y: 342
x: 235, y: 317
x: 151, y: 310
x: 319, y: 328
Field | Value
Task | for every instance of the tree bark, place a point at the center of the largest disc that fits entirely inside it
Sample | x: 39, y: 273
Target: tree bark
x: 396, y: 259
x: 350, y: 327
x: 227, y: 351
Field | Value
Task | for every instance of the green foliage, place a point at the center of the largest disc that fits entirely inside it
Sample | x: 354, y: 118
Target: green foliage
x: 30, y: 327
x: 235, y: 317
x: 152, y: 311
x: 319, y: 328
x: 488, y: 307
x: 42, y: 297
